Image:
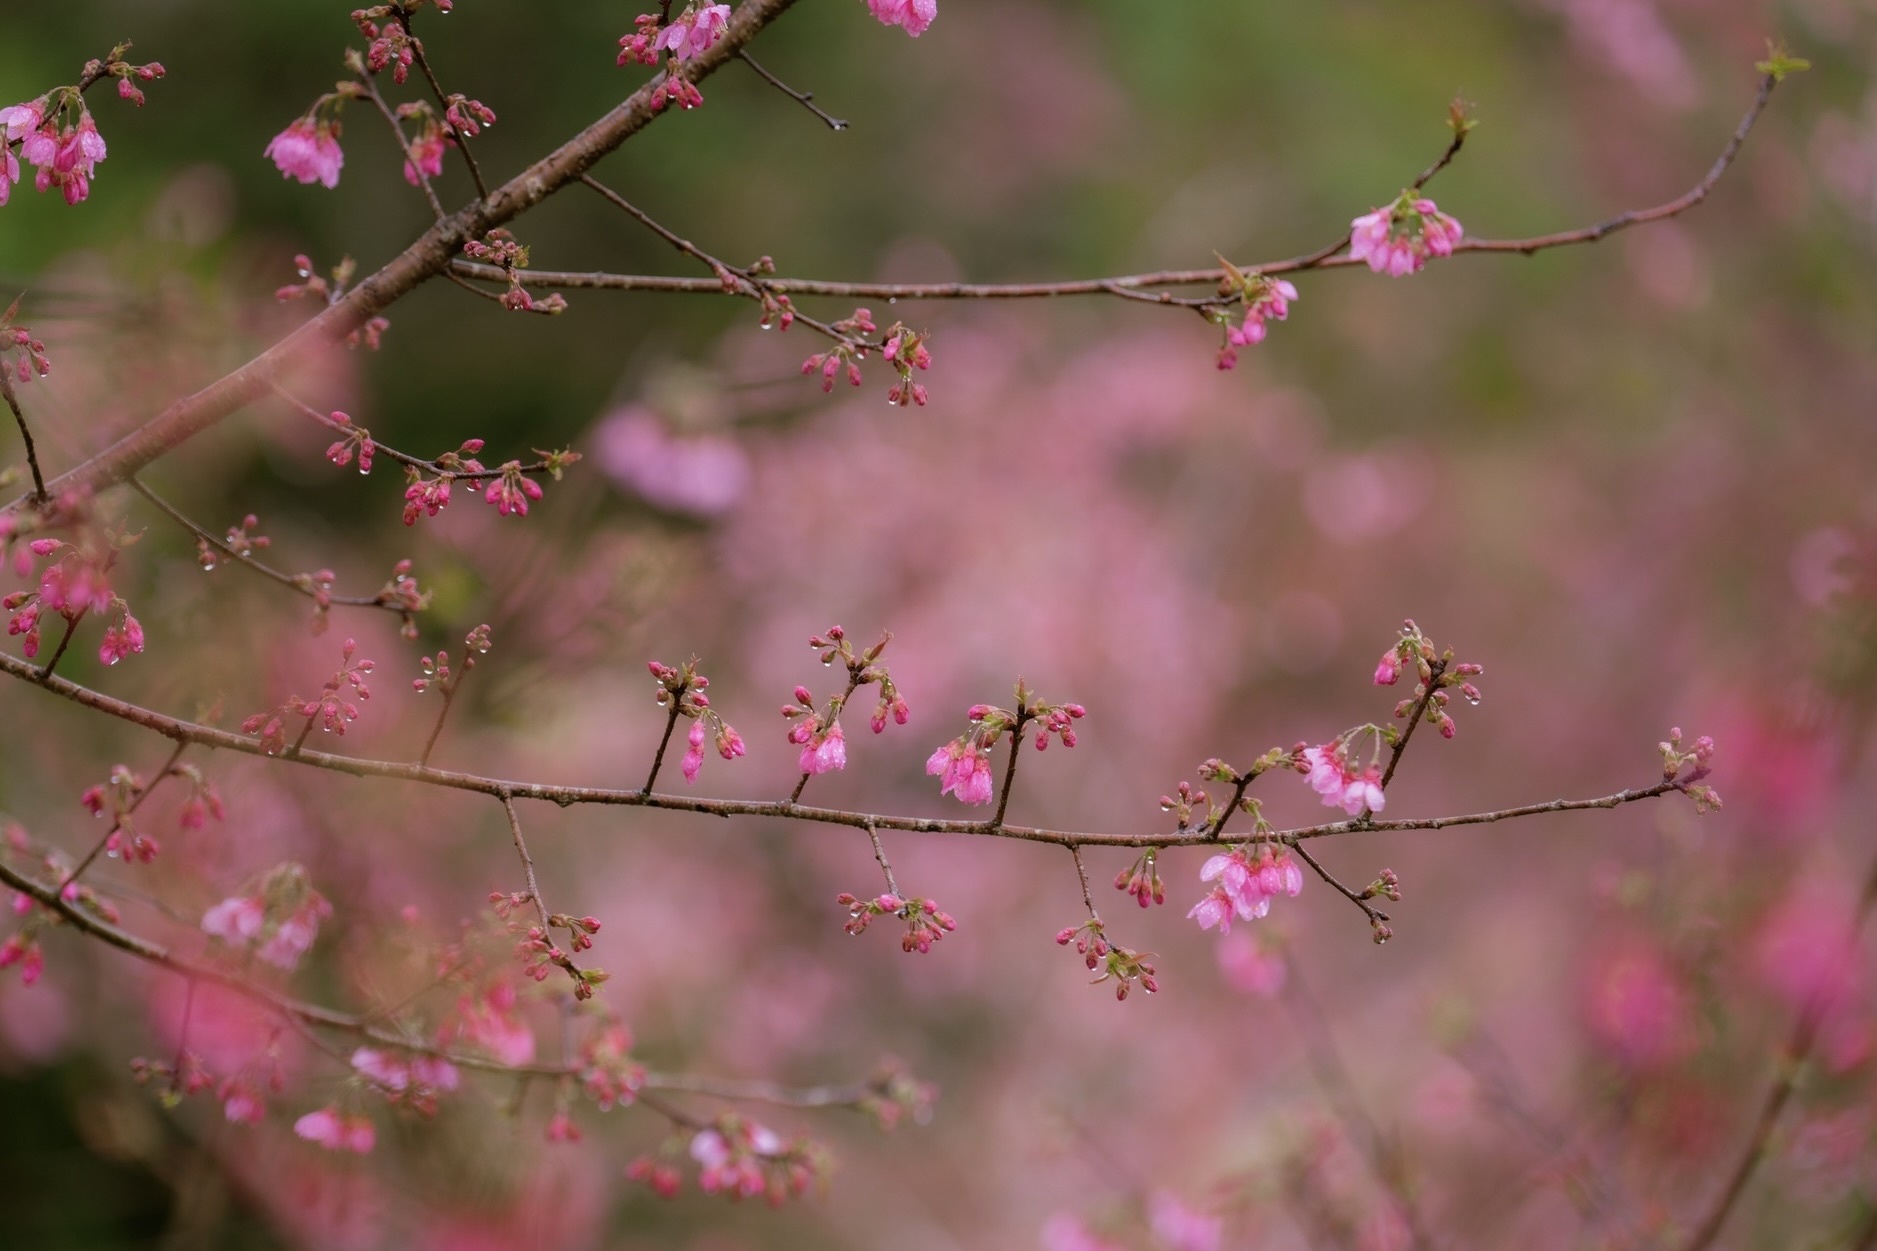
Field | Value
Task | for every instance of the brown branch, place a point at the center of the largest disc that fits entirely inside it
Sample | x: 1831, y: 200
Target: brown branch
x: 180, y: 730
x: 243, y: 561
x: 1137, y: 286
x: 1375, y: 915
x: 879, y: 854
x: 1010, y: 768
x: 39, y: 495
x: 1081, y: 873
x: 429, y: 255
x: 65, y: 641
x: 804, y: 98
x: 397, y: 128
x: 534, y: 891
x: 1435, y: 670
x: 404, y: 17
x: 671, y: 723
x: 403, y: 458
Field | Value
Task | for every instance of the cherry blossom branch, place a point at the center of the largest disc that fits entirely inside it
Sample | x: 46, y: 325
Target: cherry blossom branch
x: 1010, y: 766
x: 288, y: 1008
x: 1378, y: 920
x: 664, y: 741
x: 301, y: 583
x: 561, y: 795
x: 411, y: 163
x: 879, y: 854
x: 554, y: 954
x: 405, y: 458
x: 1081, y: 873
x: 804, y: 98
x: 404, y: 19
x: 26, y: 436
x: 117, y: 822
x: 65, y: 640
x: 1137, y: 286
x: 1787, y: 1069
x: 426, y: 257
x: 1432, y: 683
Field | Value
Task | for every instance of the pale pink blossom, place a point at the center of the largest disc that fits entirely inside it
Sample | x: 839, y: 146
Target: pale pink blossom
x: 426, y: 156
x: 240, y: 1104
x: 914, y: 15
x: 237, y: 919
x: 309, y: 151
x: 19, y: 120
x: 1339, y: 784
x: 825, y: 751
x: 965, y: 770
x: 337, y: 1131
x: 1247, y: 883
x: 1398, y: 238
x: 1177, y: 1227
x: 691, y: 34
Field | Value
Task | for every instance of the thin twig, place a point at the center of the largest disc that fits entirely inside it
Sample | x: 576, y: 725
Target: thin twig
x: 177, y: 729
x: 410, y: 158
x: 245, y: 561
x: 534, y: 890
x: 39, y: 495
x: 879, y: 854
x: 1415, y: 714
x: 671, y: 723
x: 1375, y: 915
x: 1010, y: 768
x: 804, y: 98
x: 65, y: 641
x: 117, y: 823
x: 423, y: 63
x: 1081, y: 873
x: 402, y: 458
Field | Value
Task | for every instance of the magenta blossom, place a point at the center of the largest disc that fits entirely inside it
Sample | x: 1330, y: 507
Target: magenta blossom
x: 309, y: 151
x: 1247, y: 883
x: 914, y: 15
x: 825, y: 751
x: 696, y: 30
x: 426, y: 156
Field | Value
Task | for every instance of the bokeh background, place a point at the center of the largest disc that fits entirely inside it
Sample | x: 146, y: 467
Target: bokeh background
x: 1635, y: 481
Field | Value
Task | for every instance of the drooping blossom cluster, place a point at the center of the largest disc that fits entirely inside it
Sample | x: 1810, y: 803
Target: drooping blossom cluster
x: 1141, y: 881
x: 608, y: 1074
x: 16, y: 340
x: 277, y: 918
x: 1248, y: 878
x: 914, y: 15
x: 1341, y: 782
x: 332, y: 710
x: 75, y: 582
x: 412, y: 1081
x: 925, y: 924
x: 308, y: 149
x: 1398, y: 238
x: 902, y: 347
x: 906, y: 351
x: 485, y: 1018
x: 683, y: 38
x: 817, y: 731
x: 427, y: 148
x: 338, y: 1130
x: 682, y: 691
x: 1124, y: 965
x: 1263, y: 299
x: 535, y: 946
x: 963, y: 765
x: 57, y: 135
x: 692, y: 32
x: 742, y: 1159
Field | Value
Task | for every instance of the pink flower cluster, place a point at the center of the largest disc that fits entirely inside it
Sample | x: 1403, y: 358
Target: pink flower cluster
x: 1248, y: 880
x: 965, y: 768
x: 309, y: 151
x: 337, y: 1131
x: 925, y: 924
x: 487, y: 1019
x: 283, y: 918
x: 914, y: 15
x: 65, y: 158
x: 1340, y: 783
x: 426, y: 153
x: 689, y: 34
x: 1265, y: 299
x: 1398, y: 238
x: 75, y: 583
x: 819, y: 735
x: 743, y: 1159
x: 607, y: 1072
x: 415, y: 1081
x: 25, y: 952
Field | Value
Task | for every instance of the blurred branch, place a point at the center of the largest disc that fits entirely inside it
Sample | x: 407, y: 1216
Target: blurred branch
x: 317, y: 1016
x: 26, y: 436
x: 1137, y: 286
x: 1788, y: 1065
x: 188, y: 731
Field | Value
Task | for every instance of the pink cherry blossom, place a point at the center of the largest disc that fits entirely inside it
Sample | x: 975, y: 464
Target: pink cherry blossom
x: 825, y: 751
x: 1398, y: 238
x: 914, y: 15
x: 694, y: 756
x: 965, y: 770
x: 309, y: 151
x: 237, y: 919
x: 1333, y: 778
x: 1248, y: 881
x: 337, y: 1131
x: 691, y: 34
x: 426, y: 156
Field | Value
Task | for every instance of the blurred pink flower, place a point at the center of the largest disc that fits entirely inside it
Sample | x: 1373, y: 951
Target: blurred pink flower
x: 1246, y: 966
x: 1637, y: 1007
x: 702, y: 475
x: 337, y: 1131
x: 1066, y: 1232
x: 1179, y: 1228
x: 308, y: 151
